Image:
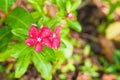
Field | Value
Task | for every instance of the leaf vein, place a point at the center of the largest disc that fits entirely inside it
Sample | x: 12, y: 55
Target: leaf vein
x: 18, y: 20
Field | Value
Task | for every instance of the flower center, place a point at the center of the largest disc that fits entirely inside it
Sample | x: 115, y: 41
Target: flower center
x: 54, y: 35
x: 70, y: 15
x: 38, y: 39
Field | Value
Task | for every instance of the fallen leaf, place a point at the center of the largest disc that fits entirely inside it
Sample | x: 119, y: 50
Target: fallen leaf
x: 2, y: 14
x: 116, y: 14
x: 51, y: 9
x: 109, y: 77
x: 83, y: 77
x: 113, y: 30
x: 108, y: 48
x: 95, y: 62
x: 24, y: 4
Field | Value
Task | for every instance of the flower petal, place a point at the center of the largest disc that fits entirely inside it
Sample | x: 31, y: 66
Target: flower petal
x: 45, y: 32
x: 56, y: 43
x: 55, y: 36
x: 33, y: 32
x: 38, y: 47
x: 47, y: 42
x: 30, y: 42
x: 57, y: 29
x: 70, y: 16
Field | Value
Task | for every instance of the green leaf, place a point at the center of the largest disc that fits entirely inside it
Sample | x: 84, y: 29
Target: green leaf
x: 88, y: 64
x: 22, y: 64
x: 42, y: 66
x: 60, y: 58
x: 19, y: 18
x: 5, y: 5
x: 36, y: 15
x: 62, y: 45
x: 19, y: 49
x: 49, y: 54
x: 14, y: 51
x: 40, y: 2
x: 111, y: 69
x: 5, y: 37
x: 62, y: 13
x: 74, y: 25
x: 23, y: 33
x: 64, y: 32
x: 94, y: 74
x: 101, y: 28
x: 6, y: 54
x: 69, y: 48
x: 117, y: 53
x: 68, y: 6
x: 68, y: 67
x: 61, y: 4
x: 86, y: 50
x: 75, y: 5
x: 37, y: 4
x: 2, y: 68
x: 52, y: 23
x: 107, y: 1
x: 43, y: 20
x: 4, y: 31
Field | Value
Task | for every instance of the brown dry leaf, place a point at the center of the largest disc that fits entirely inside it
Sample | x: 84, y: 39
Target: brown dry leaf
x: 70, y: 75
x: 2, y: 14
x: 11, y: 60
x: 116, y: 14
x: 51, y: 9
x: 83, y: 77
x: 95, y: 61
x: 25, y: 77
x: 103, y: 6
x: 108, y: 48
x: 109, y: 77
x: 9, y: 67
x: 97, y: 2
x: 22, y: 3
x: 63, y: 23
x: 113, y: 30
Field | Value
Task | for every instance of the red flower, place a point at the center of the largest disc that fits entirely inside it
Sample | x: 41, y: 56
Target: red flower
x: 43, y: 37
x: 36, y: 37
x: 55, y: 37
x: 70, y: 16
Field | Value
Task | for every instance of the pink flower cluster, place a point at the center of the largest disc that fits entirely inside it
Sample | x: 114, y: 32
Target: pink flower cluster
x: 45, y: 36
